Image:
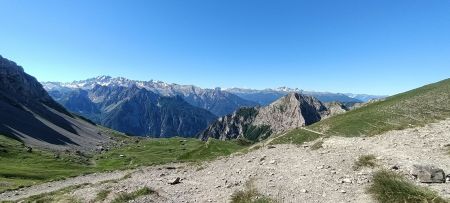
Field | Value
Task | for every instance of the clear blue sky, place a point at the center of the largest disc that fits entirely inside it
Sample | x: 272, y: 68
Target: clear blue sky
x: 360, y: 46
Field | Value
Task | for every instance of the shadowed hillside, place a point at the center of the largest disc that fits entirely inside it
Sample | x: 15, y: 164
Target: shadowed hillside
x: 29, y: 114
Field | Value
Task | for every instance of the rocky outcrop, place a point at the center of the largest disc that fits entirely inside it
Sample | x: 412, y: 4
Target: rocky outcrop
x: 29, y: 114
x: 334, y: 108
x: 136, y: 111
x: 240, y: 123
x: 291, y: 111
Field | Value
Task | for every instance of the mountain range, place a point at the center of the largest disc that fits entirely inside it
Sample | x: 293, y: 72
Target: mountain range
x: 215, y: 100
x: 365, y: 97
x: 159, y: 109
x: 145, y: 108
x: 267, y: 96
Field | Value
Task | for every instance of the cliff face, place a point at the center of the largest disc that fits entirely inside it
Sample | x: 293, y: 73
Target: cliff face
x: 231, y: 126
x: 21, y: 88
x: 291, y: 111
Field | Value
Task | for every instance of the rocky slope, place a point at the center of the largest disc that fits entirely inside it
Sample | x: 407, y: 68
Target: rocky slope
x: 267, y: 96
x: 214, y: 100
x: 29, y: 114
x: 291, y: 111
x: 136, y: 111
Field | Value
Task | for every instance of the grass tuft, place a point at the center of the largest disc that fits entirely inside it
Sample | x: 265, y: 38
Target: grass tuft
x: 317, y: 145
x: 128, y: 175
x: 126, y: 197
x: 389, y: 187
x: 250, y: 195
x: 102, y: 195
x: 365, y: 161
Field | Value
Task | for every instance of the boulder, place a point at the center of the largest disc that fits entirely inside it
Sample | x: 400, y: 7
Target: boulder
x: 428, y: 174
x: 395, y: 167
x: 176, y: 181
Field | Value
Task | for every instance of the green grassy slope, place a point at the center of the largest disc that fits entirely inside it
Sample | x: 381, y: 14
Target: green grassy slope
x: 417, y: 107
x: 211, y: 149
x: 296, y: 136
x: 160, y: 151
x: 19, y: 168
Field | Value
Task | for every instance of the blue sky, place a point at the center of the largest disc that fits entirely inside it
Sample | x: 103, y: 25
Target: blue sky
x: 360, y: 46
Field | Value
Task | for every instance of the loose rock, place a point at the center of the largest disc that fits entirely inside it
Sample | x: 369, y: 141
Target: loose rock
x: 428, y: 174
x: 176, y: 181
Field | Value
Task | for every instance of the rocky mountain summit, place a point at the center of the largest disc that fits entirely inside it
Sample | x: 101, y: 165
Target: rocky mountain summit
x: 215, y: 100
x: 291, y: 111
x: 135, y: 110
x: 29, y: 114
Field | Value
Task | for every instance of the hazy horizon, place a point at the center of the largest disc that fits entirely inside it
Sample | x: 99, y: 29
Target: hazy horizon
x: 379, y: 48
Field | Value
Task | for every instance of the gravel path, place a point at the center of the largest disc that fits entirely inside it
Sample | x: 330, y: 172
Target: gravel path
x: 287, y: 173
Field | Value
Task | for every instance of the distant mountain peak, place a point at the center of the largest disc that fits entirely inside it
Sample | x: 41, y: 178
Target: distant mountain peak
x: 288, y: 89
x: 103, y: 77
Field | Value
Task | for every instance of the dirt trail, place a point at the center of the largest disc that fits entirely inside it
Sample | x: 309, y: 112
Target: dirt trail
x: 313, y: 131
x: 288, y: 173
